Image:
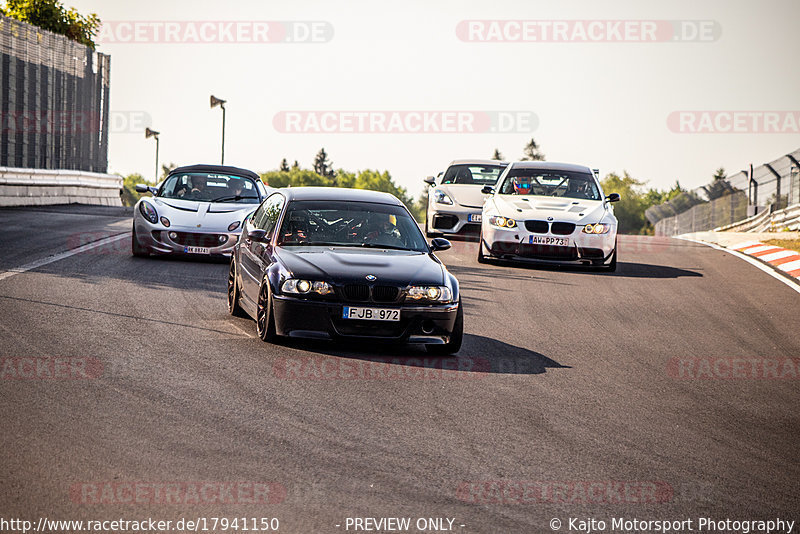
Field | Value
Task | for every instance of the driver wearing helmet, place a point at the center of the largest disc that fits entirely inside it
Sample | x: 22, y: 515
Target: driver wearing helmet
x: 522, y: 185
x: 577, y: 189
x: 385, y: 232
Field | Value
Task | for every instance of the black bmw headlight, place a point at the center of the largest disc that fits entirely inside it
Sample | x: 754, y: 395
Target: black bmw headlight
x: 148, y: 212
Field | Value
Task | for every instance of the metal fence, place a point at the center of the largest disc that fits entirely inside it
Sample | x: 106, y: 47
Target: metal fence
x: 55, y: 101
x: 769, y: 187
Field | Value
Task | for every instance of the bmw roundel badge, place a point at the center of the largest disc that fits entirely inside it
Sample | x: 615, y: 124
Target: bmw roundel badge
x: 371, y: 277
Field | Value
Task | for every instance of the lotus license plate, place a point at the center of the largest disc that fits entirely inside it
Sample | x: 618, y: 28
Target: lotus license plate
x: 370, y: 314
x: 546, y: 240
x: 474, y: 217
x: 196, y: 250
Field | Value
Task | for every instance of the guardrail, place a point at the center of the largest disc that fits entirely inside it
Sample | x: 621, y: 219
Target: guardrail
x: 35, y: 187
x: 767, y: 221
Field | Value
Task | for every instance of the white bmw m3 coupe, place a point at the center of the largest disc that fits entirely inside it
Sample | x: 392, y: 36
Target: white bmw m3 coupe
x: 549, y: 212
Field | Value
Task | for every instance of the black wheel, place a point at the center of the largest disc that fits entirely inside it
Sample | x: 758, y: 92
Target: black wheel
x: 136, y: 249
x: 233, y: 291
x: 481, y: 257
x: 456, y: 337
x: 265, y: 318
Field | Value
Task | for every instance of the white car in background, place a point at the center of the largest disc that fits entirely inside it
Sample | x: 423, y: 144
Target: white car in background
x: 198, y: 209
x: 455, y: 199
x: 551, y: 212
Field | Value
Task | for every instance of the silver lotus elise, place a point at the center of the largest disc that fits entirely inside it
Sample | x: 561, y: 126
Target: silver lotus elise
x: 198, y: 209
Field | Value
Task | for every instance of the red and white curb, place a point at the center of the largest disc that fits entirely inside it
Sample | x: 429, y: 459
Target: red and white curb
x: 782, y: 259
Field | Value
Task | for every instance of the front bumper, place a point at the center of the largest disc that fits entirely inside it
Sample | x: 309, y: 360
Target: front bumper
x: 453, y: 219
x: 157, y: 239
x: 314, y: 319
x: 517, y: 243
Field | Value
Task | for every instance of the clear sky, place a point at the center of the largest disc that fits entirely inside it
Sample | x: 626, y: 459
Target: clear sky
x: 604, y: 104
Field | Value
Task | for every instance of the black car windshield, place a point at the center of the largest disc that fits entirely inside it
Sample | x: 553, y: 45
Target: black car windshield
x: 210, y: 187
x: 473, y: 174
x: 550, y: 183
x: 350, y: 224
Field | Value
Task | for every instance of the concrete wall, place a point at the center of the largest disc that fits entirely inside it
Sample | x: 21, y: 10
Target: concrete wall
x: 37, y: 187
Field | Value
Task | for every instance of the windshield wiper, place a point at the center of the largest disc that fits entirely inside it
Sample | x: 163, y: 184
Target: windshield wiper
x: 237, y: 197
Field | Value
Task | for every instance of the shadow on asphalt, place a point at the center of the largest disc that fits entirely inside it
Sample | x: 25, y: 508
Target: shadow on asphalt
x: 624, y: 270
x: 478, y: 354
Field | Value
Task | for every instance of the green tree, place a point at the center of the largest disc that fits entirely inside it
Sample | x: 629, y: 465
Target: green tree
x: 532, y: 151
x: 284, y: 165
x: 166, y: 169
x: 51, y: 15
x: 322, y: 165
x: 129, y: 194
x: 497, y: 155
x: 631, y: 207
x: 718, y: 187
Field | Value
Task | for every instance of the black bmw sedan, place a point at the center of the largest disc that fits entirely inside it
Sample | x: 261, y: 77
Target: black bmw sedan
x: 333, y: 263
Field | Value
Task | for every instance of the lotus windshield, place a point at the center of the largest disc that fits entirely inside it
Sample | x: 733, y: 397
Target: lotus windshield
x: 473, y: 174
x: 210, y: 187
x: 549, y: 183
x: 350, y: 224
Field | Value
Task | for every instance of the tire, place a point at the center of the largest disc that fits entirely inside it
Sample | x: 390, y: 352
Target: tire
x: 456, y: 337
x: 136, y: 249
x: 233, y: 291
x: 265, y: 315
x: 481, y: 257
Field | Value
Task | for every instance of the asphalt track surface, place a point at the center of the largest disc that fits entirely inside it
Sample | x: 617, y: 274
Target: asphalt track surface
x: 566, y: 385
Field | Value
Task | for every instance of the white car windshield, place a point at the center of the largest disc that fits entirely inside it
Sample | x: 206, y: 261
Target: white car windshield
x: 210, y: 187
x: 550, y: 183
x: 473, y: 174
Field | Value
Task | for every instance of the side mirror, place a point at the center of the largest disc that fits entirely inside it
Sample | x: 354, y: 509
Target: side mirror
x: 613, y: 197
x: 144, y: 188
x: 487, y: 190
x: 430, y: 180
x: 440, y: 244
x: 258, y: 235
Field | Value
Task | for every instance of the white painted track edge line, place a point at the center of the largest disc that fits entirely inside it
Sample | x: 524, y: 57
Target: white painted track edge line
x: 767, y: 268
x: 62, y: 255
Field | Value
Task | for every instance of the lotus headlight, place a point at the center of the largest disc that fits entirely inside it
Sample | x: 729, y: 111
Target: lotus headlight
x: 233, y: 226
x: 441, y: 197
x: 502, y: 222
x: 294, y: 286
x: 148, y: 212
x: 599, y: 228
x: 433, y: 293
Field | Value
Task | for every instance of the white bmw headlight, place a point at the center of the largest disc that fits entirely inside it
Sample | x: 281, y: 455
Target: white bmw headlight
x: 599, y: 228
x: 502, y: 222
x: 441, y: 197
